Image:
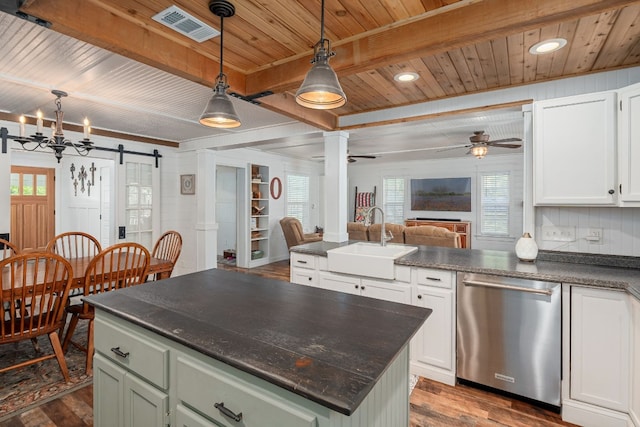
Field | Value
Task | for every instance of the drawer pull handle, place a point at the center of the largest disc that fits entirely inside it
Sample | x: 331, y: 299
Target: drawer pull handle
x: 301, y: 262
x: 120, y: 353
x: 435, y: 279
x: 227, y: 412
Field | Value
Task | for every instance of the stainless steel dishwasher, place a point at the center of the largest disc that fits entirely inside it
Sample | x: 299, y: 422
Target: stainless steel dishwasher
x: 509, y: 335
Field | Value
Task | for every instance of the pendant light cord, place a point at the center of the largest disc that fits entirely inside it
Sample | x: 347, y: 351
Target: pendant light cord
x: 322, y: 23
x: 220, y: 76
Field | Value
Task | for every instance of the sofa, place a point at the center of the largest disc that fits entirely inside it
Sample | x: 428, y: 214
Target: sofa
x: 420, y: 235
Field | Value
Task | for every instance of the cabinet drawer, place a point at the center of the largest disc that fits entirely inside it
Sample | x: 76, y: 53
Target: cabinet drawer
x: 144, y: 356
x: 201, y: 387
x: 303, y: 276
x: 432, y: 277
x: 303, y: 260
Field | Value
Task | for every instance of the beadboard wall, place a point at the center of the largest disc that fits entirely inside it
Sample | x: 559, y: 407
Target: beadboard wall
x: 620, y: 229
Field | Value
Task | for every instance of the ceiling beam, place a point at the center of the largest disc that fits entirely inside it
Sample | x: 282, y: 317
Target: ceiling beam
x: 435, y: 33
x: 285, y: 103
x: 107, y: 27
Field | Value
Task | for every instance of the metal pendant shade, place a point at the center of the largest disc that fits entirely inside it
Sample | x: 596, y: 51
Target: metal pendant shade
x: 320, y: 89
x: 219, y: 112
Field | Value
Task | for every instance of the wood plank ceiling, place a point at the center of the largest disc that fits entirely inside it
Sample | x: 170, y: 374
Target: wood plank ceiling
x: 456, y: 46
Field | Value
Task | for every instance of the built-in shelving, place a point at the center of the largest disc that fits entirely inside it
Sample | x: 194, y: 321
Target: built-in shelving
x: 259, y: 215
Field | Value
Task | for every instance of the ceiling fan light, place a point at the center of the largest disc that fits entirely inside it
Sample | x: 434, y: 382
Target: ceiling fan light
x: 321, y: 89
x: 219, y: 111
x: 479, y: 151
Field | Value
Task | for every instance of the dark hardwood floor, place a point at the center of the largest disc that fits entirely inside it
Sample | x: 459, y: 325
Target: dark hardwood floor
x: 432, y: 404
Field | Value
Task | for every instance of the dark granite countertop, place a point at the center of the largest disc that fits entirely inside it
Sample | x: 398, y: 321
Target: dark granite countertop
x: 617, y: 272
x: 326, y: 346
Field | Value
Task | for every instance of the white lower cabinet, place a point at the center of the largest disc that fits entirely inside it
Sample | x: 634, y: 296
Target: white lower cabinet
x: 433, y: 347
x: 600, y: 349
x: 387, y: 290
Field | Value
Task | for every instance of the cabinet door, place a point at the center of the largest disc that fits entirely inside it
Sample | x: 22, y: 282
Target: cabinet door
x: 629, y: 144
x: 574, y: 150
x: 600, y: 345
x: 433, y: 344
x: 144, y: 405
x: 387, y: 291
x: 108, y: 392
x: 337, y: 282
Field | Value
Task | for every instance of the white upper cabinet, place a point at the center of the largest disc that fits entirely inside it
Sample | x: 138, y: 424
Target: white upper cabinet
x: 629, y: 145
x: 574, y: 145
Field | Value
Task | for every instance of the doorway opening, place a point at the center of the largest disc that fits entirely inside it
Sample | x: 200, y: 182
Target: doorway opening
x: 230, y: 217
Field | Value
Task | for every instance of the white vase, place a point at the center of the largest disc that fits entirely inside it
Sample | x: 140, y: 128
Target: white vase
x: 526, y: 248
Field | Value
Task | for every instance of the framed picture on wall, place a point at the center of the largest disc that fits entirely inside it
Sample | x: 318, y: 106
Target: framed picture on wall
x: 187, y: 184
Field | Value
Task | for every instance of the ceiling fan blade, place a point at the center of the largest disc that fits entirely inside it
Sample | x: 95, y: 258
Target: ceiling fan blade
x: 505, y: 140
x: 454, y: 147
x: 493, y: 144
x: 363, y: 156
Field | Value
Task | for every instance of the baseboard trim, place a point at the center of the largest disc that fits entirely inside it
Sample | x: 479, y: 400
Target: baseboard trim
x: 433, y: 373
x: 593, y: 416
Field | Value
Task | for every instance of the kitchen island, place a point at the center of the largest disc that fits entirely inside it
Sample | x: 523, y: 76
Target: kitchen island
x: 207, y: 346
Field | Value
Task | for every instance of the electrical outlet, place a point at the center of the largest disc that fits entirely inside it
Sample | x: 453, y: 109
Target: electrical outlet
x: 594, y: 235
x: 122, y: 232
x: 558, y: 234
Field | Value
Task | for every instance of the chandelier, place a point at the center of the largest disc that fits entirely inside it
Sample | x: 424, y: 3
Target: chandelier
x: 56, y: 142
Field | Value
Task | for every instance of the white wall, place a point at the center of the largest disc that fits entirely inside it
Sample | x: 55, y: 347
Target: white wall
x: 365, y: 177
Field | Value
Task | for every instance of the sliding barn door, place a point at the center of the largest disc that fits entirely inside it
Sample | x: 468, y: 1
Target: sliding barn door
x: 32, y: 207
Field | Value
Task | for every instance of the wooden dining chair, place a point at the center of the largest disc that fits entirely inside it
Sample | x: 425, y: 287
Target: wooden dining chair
x: 36, y: 285
x: 168, y: 247
x: 7, y: 249
x: 116, y: 267
x: 74, y: 244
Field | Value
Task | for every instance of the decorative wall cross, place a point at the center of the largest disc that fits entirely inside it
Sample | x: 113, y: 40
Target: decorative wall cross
x: 82, y: 177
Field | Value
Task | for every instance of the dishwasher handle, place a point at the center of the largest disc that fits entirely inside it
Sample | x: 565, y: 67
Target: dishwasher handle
x: 547, y: 292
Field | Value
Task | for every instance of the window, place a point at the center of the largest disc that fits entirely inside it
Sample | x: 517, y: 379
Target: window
x: 138, y: 201
x: 298, y: 199
x: 393, y: 190
x: 494, y: 204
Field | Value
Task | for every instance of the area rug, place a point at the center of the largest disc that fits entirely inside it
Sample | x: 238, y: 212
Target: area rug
x: 25, y: 387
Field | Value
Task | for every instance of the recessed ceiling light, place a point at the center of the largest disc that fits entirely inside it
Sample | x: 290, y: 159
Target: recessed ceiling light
x: 547, y: 46
x: 406, y: 77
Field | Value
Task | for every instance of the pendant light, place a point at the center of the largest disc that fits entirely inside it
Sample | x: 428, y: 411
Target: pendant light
x: 321, y: 89
x: 219, y: 112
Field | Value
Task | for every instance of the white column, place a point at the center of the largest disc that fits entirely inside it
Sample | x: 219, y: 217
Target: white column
x: 206, y: 226
x: 335, y: 186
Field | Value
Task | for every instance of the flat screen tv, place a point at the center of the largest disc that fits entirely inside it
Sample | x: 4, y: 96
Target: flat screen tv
x: 441, y: 194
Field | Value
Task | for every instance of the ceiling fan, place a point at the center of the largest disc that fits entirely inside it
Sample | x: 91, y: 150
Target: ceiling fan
x: 480, y: 143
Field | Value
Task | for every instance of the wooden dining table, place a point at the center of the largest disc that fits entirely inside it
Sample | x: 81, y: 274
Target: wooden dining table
x: 161, y: 267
